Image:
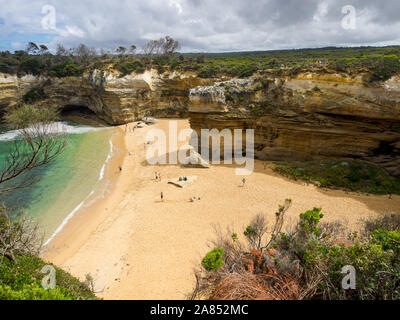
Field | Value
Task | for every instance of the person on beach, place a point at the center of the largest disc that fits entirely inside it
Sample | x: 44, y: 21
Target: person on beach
x: 120, y: 168
x: 162, y: 197
x: 156, y: 176
x: 244, y: 181
x: 159, y: 177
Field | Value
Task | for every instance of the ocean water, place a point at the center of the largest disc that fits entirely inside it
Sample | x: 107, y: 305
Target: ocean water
x: 64, y: 185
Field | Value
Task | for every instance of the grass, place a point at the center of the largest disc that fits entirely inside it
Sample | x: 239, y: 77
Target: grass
x: 355, y: 176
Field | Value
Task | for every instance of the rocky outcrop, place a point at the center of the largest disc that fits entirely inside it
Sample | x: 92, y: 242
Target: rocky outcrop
x: 310, y: 116
x: 12, y: 88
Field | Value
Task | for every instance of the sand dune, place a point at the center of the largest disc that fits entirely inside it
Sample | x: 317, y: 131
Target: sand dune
x: 137, y: 247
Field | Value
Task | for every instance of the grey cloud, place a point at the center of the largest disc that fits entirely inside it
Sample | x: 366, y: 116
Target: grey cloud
x: 206, y: 25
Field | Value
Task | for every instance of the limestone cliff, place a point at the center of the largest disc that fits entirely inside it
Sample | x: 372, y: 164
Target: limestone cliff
x: 308, y: 116
x: 303, y: 115
x: 112, y: 98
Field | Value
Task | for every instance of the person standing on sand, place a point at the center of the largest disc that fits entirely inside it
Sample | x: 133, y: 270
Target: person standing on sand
x: 159, y: 176
x: 120, y: 168
x: 162, y: 197
x: 244, y: 181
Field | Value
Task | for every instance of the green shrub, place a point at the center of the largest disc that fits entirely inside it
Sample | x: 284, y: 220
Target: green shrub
x: 67, y: 69
x: 310, y: 219
x: 33, y: 95
x: 385, y: 67
x: 375, y: 258
x: 128, y: 67
x: 22, y: 281
x: 350, y: 175
x: 389, y: 240
x: 213, y: 260
x: 33, y: 292
x: 32, y: 66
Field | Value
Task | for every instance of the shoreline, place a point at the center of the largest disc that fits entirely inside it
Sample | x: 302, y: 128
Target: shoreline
x: 137, y: 247
x: 106, y: 175
x: 83, y: 202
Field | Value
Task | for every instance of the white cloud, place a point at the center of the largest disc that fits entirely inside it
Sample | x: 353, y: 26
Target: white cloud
x: 204, y: 25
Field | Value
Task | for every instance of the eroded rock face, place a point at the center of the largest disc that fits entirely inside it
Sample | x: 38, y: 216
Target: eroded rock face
x: 310, y: 116
x: 115, y: 99
x: 303, y: 116
x: 214, y: 98
x: 11, y: 89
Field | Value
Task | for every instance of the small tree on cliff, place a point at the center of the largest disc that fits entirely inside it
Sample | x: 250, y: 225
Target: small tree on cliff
x: 39, y: 143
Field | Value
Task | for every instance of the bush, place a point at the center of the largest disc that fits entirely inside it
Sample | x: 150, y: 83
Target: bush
x: 22, y: 281
x: 32, y: 66
x: 385, y: 67
x: 33, y: 95
x: 67, y: 69
x: 128, y: 67
x: 349, y: 175
x: 213, y: 260
x: 32, y: 292
x: 306, y: 261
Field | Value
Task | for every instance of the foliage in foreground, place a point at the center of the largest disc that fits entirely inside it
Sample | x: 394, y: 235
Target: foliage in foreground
x: 305, y: 261
x: 20, y: 267
x: 22, y: 281
x: 38, y: 145
x: 347, y: 175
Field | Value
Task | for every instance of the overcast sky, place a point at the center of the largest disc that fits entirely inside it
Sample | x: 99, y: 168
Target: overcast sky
x: 200, y: 25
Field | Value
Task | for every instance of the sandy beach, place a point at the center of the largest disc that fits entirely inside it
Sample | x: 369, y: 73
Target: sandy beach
x: 137, y: 247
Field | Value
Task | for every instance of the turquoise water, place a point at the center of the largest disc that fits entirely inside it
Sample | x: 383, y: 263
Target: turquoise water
x: 63, y: 185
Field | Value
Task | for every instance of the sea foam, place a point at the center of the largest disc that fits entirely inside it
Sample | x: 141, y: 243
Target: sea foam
x: 57, y: 127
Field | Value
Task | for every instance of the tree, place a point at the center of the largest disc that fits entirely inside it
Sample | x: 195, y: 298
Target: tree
x: 83, y: 54
x: 43, y: 49
x: 170, y: 46
x: 61, y: 51
x: 121, y: 50
x: 164, y: 46
x: 32, y: 48
x: 40, y: 144
x: 21, y: 237
x: 150, y: 47
x: 132, y: 50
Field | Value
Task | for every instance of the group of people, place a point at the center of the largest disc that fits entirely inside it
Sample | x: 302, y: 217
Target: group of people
x: 184, y: 179
x: 158, y: 176
x: 193, y: 199
x: 127, y: 128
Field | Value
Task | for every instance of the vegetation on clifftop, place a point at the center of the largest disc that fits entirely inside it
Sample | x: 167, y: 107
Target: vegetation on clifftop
x: 163, y: 55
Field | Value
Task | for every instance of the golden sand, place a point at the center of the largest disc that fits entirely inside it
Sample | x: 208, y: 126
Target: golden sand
x: 137, y: 247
